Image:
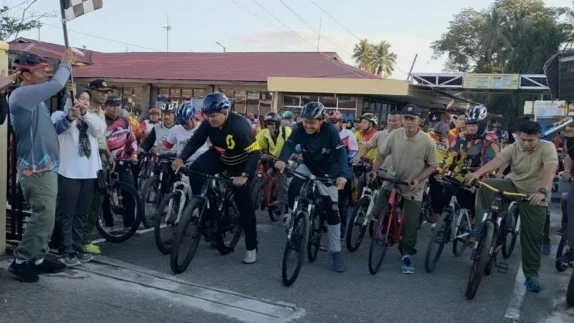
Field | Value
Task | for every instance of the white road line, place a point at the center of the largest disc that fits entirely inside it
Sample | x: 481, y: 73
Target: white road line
x: 518, y: 292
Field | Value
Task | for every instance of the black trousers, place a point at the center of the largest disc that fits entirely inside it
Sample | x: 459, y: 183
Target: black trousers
x: 441, y: 194
x: 209, y: 163
x: 344, y: 198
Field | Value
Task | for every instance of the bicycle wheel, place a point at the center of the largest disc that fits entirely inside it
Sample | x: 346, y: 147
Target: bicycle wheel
x: 440, y: 236
x: 273, y: 209
x: 164, y: 224
x: 510, y: 221
x: 481, y: 258
x: 425, y: 207
x: 559, y: 252
x: 297, y: 239
x: 379, y: 239
x: 462, y: 235
x: 229, y: 229
x: 192, y: 216
x: 151, y: 197
x: 257, y: 193
x: 357, y: 228
x: 119, y: 229
x: 570, y: 291
x: 315, y: 233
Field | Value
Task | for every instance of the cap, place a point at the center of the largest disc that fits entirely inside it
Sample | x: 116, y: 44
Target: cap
x: 411, y: 110
x: 100, y: 85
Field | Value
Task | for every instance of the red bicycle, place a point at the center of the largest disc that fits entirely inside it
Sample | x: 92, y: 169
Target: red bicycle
x: 390, y: 225
x: 265, y: 190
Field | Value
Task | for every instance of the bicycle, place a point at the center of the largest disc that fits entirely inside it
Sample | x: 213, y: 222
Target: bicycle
x: 154, y: 188
x: 265, y: 188
x: 304, y: 226
x: 360, y: 217
x: 223, y: 219
x: 390, y: 225
x: 116, y: 192
x: 491, y: 238
x: 170, y: 211
x: 147, y: 162
x: 455, y: 219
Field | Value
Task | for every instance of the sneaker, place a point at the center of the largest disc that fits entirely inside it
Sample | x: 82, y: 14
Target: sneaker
x: 84, y: 257
x: 546, y: 250
x: 250, y: 256
x: 567, y: 257
x: 70, y: 260
x: 338, y: 264
x: 532, y: 284
x: 50, y: 267
x: 24, y: 272
x: 406, y: 265
x: 92, y: 249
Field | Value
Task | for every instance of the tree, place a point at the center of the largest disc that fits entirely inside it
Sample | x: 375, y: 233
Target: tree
x: 19, y: 18
x: 363, y: 53
x: 383, y: 61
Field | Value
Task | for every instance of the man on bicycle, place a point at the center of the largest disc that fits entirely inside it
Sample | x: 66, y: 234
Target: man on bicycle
x: 379, y: 139
x: 323, y: 154
x: 188, y: 120
x: 272, y: 139
x: 235, y: 150
x: 367, y: 129
x: 160, y: 131
x: 533, y: 163
x: 413, y: 159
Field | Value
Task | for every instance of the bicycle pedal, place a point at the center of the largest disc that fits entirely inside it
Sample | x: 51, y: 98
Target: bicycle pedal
x: 502, y: 267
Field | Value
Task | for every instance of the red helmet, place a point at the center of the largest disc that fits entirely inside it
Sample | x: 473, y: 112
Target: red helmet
x: 334, y: 116
x: 154, y: 111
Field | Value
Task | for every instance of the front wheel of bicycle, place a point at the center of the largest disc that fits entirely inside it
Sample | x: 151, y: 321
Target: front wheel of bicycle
x: 117, y: 227
x: 229, y: 229
x: 191, y: 225
x: 559, y: 252
x: 315, y: 233
x: 151, y: 197
x: 510, y: 221
x: 439, y: 237
x: 165, y: 222
x: 379, y: 241
x: 297, y: 240
x: 482, y: 257
x: 462, y: 235
x: 357, y: 228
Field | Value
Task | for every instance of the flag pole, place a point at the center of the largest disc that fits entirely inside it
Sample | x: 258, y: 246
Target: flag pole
x: 66, y: 40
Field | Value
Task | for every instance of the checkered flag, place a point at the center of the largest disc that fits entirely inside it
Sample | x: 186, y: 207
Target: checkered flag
x: 75, y: 8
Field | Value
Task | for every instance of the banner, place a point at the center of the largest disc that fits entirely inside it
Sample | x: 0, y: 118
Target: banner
x: 490, y: 81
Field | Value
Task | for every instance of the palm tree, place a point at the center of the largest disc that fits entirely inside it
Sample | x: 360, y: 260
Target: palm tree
x: 363, y: 54
x: 383, y: 60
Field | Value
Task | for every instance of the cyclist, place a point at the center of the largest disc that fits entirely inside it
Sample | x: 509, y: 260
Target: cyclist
x: 323, y: 153
x: 568, y: 220
x: 351, y: 146
x: 233, y: 149
x: 459, y: 129
x: 413, y: 159
x: 378, y: 140
x: 367, y: 129
x: 148, y: 125
x: 188, y: 120
x: 288, y: 119
x: 533, y: 163
x: 272, y: 139
x: 160, y: 131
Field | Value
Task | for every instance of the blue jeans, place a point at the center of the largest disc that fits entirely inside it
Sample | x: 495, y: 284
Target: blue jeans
x: 125, y: 176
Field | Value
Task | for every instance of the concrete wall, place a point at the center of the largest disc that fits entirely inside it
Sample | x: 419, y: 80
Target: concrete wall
x: 3, y: 158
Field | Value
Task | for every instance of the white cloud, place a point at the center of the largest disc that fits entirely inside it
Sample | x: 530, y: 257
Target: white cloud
x: 406, y: 47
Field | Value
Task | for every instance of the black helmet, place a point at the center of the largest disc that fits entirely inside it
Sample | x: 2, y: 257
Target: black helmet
x: 29, y: 62
x: 313, y: 110
x: 477, y: 115
x: 272, y: 117
x: 114, y: 101
x: 165, y: 104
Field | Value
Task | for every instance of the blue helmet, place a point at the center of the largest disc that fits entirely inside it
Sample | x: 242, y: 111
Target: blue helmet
x: 186, y: 111
x: 215, y: 102
x: 288, y: 115
x: 313, y: 110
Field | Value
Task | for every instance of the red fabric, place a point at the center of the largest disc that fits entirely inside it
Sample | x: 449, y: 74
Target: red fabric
x: 121, y: 139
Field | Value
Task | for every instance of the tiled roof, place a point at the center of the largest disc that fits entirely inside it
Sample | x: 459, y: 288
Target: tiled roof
x: 47, y: 50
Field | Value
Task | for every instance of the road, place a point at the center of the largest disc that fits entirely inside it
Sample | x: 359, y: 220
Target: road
x: 133, y: 282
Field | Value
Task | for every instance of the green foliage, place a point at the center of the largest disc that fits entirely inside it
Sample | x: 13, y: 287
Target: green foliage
x: 11, y: 25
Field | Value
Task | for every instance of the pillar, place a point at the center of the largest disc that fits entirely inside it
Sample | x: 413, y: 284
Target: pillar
x: 3, y: 158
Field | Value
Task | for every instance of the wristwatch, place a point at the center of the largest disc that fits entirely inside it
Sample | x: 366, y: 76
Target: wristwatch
x: 543, y: 191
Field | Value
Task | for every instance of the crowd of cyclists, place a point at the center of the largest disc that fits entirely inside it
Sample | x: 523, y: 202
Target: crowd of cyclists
x: 93, y: 130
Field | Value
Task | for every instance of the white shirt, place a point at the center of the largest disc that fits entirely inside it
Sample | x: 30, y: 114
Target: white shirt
x: 179, y: 136
x: 72, y: 165
x: 349, y: 140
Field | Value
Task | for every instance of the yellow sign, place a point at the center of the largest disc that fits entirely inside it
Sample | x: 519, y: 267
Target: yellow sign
x: 491, y: 81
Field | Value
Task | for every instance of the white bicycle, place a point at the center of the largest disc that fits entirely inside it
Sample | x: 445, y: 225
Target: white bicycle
x: 169, y: 212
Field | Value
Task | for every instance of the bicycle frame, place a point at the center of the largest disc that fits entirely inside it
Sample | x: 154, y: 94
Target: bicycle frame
x: 395, y: 200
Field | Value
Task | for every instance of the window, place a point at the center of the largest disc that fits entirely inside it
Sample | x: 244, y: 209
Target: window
x: 164, y: 92
x: 308, y: 98
x: 291, y: 100
x: 348, y: 102
x: 253, y: 102
x: 187, y: 94
x: 175, y: 93
x: 198, y: 93
x: 328, y: 101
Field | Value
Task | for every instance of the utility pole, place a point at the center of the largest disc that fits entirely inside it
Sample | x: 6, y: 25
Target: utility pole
x: 167, y: 28
x: 319, y: 38
x: 39, y: 32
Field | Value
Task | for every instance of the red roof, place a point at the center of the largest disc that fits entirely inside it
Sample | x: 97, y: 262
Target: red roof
x: 43, y: 49
x: 230, y: 66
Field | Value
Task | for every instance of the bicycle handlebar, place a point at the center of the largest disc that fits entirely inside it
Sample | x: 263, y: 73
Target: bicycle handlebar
x: 311, y: 177
x: 501, y: 192
x: 189, y: 172
x: 392, y: 180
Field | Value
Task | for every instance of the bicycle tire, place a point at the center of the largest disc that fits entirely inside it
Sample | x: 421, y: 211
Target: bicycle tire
x: 138, y: 214
x: 257, y: 193
x: 228, y: 202
x: 509, y: 230
x: 164, y: 247
x: 301, y: 218
x: 182, y: 227
x: 570, y: 291
x: 430, y: 260
x: 148, y: 219
x: 460, y: 244
x: 273, y: 209
x: 374, y: 266
x: 361, y: 206
x: 483, y: 251
x: 315, y: 235
x: 560, y: 267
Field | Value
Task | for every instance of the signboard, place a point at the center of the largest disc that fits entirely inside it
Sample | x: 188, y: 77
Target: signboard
x: 549, y: 109
x: 491, y: 81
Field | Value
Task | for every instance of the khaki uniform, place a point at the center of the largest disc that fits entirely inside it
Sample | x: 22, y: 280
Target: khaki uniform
x: 409, y: 157
x: 526, y: 176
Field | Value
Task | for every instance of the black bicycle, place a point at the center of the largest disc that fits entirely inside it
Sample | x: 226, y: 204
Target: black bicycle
x: 117, y: 228
x: 212, y: 214
x: 156, y: 186
x: 305, y: 228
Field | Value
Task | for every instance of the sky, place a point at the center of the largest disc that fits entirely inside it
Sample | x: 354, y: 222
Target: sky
x: 410, y: 26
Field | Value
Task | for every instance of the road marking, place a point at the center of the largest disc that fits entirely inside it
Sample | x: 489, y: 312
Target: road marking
x: 518, y: 293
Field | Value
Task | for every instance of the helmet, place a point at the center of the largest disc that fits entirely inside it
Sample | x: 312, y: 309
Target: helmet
x: 215, y: 102
x: 288, y: 115
x: 186, y: 111
x: 29, y: 62
x: 272, y: 117
x: 440, y: 128
x: 166, y: 105
x: 371, y: 117
x: 477, y: 115
x: 114, y: 101
x: 334, y: 116
x: 154, y: 111
x: 313, y: 110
